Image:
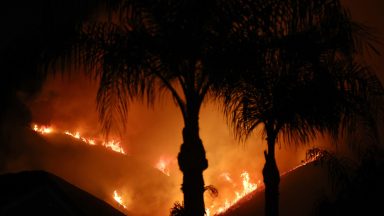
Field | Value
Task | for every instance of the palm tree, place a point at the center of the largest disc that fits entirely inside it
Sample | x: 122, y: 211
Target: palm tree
x: 307, y: 83
x: 184, y: 48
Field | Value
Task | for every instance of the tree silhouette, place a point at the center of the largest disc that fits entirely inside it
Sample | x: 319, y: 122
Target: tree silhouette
x: 185, y: 48
x: 306, y: 82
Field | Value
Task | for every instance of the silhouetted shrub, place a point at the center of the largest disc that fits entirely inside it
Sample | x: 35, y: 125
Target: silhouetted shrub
x: 177, y: 209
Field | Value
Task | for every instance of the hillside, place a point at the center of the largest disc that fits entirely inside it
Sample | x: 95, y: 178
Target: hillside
x: 94, y: 169
x: 300, y: 191
x: 41, y: 193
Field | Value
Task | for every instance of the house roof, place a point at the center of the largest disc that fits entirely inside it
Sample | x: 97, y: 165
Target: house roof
x: 42, y: 193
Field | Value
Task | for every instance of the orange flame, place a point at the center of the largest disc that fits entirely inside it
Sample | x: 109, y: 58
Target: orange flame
x: 77, y: 136
x: 42, y: 129
x: 118, y: 199
x: 248, y: 187
x: 207, y: 212
x: 113, y: 145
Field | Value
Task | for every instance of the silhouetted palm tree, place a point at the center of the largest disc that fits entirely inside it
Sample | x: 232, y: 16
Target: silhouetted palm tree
x: 306, y: 83
x: 185, y: 48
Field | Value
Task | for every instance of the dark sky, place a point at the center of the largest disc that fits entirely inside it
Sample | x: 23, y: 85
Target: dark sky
x: 371, y: 13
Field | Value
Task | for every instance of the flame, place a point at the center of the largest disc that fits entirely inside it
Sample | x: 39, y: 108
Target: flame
x: 113, y: 145
x: 163, y: 166
x: 77, y: 136
x: 118, y: 199
x: 248, y: 187
x: 314, y: 158
x: 42, y: 129
x: 207, y: 212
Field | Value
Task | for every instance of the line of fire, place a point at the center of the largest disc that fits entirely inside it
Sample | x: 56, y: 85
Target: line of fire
x: 191, y: 107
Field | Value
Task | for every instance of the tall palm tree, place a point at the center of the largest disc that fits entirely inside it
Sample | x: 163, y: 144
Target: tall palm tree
x: 307, y: 83
x: 182, y: 47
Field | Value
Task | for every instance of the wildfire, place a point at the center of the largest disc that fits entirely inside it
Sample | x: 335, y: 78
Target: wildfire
x: 248, y: 187
x: 163, y: 166
x: 77, y: 136
x: 118, y: 199
x: 208, y: 212
x: 42, y: 129
x: 113, y: 145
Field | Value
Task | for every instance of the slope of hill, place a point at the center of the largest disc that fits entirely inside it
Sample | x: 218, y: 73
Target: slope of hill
x: 300, y: 191
x: 41, y: 193
x: 94, y: 169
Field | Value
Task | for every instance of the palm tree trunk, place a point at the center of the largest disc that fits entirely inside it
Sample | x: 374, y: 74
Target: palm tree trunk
x: 271, y: 177
x: 192, y: 162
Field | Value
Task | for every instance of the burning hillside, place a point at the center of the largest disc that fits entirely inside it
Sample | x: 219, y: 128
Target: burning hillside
x: 139, y: 169
x: 301, y: 189
x: 162, y: 165
x: 109, y: 144
x: 136, y: 168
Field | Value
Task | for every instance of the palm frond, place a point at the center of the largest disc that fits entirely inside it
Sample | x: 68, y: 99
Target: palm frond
x: 340, y: 169
x: 120, y: 57
x: 305, y: 80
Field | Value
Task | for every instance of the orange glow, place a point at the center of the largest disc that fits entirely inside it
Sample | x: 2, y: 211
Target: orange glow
x: 314, y: 158
x: 113, y: 145
x: 248, y: 187
x: 163, y: 166
x: 118, y: 199
x: 207, y: 212
x: 42, y: 129
x: 226, y: 177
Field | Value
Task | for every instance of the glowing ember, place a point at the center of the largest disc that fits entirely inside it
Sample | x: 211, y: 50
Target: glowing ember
x: 42, y: 129
x: 118, y: 199
x: 113, y: 145
x: 163, y: 166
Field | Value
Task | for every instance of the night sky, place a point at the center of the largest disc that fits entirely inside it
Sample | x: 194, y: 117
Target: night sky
x: 68, y: 102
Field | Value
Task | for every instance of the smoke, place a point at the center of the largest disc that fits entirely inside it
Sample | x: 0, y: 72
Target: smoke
x: 68, y: 103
